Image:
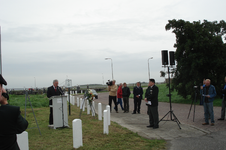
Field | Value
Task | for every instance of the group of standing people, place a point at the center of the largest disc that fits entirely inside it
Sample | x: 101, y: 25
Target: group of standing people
x: 121, y: 93
x: 151, y: 98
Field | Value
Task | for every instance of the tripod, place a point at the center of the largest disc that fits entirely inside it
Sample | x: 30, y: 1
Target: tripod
x: 193, y: 101
x: 27, y: 97
x: 91, y: 107
x: 171, y: 111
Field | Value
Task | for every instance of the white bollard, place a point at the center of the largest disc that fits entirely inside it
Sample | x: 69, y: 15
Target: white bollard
x: 80, y: 103
x: 77, y: 102
x: 22, y: 140
x: 81, y: 91
x: 99, y: 111
x: 109, y: 115
x: 84, y: 105
x: 105, y: 122
x: 77, y: 133
x: 88, y: 107
x: 93, y: 109
x: 76, y: 92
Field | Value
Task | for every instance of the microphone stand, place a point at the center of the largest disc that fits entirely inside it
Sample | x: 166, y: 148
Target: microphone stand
x: 61, y: 92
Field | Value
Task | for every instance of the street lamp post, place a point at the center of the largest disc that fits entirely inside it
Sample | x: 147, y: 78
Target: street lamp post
x: 111, y: 67
x: 35, y: 82
x: 149, y: 68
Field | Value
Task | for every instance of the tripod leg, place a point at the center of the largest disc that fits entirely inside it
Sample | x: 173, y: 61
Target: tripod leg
x: 164, y: 116
x: 176, y: 118
x: 34, y: 117
x: 190, y: 108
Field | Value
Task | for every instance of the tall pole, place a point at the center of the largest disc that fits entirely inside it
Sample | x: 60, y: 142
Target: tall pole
x: 111, y: 67
x: 149, y: 68
x: 35, y: 82
x: 0, y: 52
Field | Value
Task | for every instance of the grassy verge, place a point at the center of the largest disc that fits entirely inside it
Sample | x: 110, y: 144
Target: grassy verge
x: 39, y: 100
x: 93, y: 137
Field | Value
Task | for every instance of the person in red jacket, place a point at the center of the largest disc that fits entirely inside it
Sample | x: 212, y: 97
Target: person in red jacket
x: 119, y: 95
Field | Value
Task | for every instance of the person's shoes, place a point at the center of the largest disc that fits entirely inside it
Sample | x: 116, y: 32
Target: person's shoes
x: 205, y: 123
x: 156, y: 127
x: 124, y: 112
x: 127, y: 112
x: 138, y: 112
x: 150, y: 126
x: 220, y: 119
x: 212, y: 124
x: 116, y: 111
x: 133, y: 113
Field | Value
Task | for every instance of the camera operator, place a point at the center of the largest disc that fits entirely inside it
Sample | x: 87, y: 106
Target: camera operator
x: 112, y: 95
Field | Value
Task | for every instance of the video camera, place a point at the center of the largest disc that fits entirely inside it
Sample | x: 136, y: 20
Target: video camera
x: 109, y: 83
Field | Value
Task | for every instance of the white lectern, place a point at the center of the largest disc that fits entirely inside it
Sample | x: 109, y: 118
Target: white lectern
x: 60, y: 114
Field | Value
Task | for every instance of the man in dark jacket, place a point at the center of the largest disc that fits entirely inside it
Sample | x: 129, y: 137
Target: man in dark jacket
x: 53, y: 90
x: 11, y: 122
x: 125, y: 95
x: 138, y: 93
x: 209, y: 93
x: 223, y: 101
x: 151, y: 97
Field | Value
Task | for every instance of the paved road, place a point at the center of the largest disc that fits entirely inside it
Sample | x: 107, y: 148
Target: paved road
x: 192, y: 135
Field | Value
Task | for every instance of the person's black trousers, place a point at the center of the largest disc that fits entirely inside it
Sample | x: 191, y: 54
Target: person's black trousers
x: 51, y: 113
x: 137, y: 103
x: 153, y: 116
x: 126, y: 104
x: 114, y: 100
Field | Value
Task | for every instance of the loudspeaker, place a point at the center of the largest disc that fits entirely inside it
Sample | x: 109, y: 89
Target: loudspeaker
x: 172, y: 60
x: 164, y: 57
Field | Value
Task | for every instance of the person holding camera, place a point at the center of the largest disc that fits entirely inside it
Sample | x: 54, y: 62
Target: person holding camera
x: 112, y: 88
x: 138, y: 94
x: 11, y: 121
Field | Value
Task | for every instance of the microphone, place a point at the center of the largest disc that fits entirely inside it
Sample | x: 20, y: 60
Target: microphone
x: 61, y: 92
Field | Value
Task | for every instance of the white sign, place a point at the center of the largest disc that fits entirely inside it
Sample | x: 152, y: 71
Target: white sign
x: 59, y: 100
x: 68, y: 83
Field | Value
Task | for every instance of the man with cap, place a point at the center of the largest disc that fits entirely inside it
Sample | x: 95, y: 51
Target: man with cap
x: 151, y: 97
x: 53, y: 90
x: 11, y: 122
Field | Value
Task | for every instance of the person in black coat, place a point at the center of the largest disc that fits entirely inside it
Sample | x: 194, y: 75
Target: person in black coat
x: 151, y: 97
x: 125, y: 95
x: 11, y: 122
x: 138, y: 94
x: 53, y: 90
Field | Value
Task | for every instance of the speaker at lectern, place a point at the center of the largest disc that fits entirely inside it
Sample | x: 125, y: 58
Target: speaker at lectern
x: 60, y: 115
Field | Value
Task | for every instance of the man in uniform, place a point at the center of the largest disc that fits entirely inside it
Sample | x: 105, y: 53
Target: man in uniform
x: 151, y: 97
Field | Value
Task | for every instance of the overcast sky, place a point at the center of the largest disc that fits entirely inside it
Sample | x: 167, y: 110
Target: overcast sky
x: 44, y: 40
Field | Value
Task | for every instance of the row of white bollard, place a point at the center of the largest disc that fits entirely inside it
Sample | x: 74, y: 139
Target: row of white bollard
x: 77, y: 123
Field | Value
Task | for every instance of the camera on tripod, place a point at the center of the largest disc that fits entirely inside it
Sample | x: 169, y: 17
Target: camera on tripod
x: 109, y: 83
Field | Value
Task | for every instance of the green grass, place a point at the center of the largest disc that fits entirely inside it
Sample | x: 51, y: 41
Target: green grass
x: 93, y: 137
x: 39, y: 100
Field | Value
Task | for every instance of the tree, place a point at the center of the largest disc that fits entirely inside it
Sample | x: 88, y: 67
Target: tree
x: 200, y: 53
